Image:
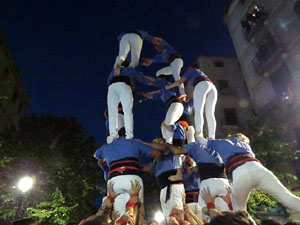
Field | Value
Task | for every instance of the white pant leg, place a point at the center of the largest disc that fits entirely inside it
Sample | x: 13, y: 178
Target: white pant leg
x: 173, y: 114
x: 166, y: 71
x: 210, y: 106
x: 255, y: 175
x: 177, y: 191
x: 121, y: 186
x: 124, y: 48
x: 194, y: 206
x: 136, y: 44
x: 217, y: 187
x: 190, y: 134
x: 200, y: 93
x: 127, y: 104
x: 113, y: 100
x: 176, y: 66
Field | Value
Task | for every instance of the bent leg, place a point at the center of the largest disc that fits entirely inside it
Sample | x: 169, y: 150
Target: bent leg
x: 136, y: 44
x: 176, y: 66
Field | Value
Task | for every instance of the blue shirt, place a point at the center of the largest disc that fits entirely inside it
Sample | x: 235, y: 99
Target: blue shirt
x: 133, y: 74
x: 145, y: 36
x: 166, y: 163
x: 191, y: 181
x: 164, y: 94
x: 188, y: 107
x: 201, y: 154
x: 167, y: 51
x: 229, y: 147
x: 191, y: 75
x: 122, y: 148
x: 178, y: 131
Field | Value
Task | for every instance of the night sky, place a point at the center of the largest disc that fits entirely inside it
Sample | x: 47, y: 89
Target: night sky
x: 67, y: 48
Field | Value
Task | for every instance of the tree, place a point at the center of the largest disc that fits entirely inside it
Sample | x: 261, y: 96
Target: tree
x: 58, y: 152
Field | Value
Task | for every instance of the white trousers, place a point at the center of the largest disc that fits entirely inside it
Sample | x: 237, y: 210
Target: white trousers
x: 177, y: 191
x: 121, y: 186
x: 194, y: 206
x: 119, y: 92
x: 254, y: 175
x: 133, y: 43
x: 205, y: 97
x: 120, y: 125
x: 217, y: 187
x: 173, y: 114
x: 174, y: 69
x: 190, y: 134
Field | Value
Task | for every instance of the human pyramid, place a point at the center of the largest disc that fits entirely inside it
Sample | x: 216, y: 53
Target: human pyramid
x: 199, y: 178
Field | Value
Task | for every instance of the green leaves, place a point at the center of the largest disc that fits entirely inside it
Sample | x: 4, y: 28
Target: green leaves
x: 59, y: 153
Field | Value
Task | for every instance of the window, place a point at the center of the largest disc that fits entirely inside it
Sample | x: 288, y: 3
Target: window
x: 297, y: 8
x: 219, y: 64
x: 231, y: 116
x: 282, y: 82
x: 224, y: 88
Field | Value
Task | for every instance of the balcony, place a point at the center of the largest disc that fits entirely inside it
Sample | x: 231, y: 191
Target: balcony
x: 252, y: 21
x: 269, y: 55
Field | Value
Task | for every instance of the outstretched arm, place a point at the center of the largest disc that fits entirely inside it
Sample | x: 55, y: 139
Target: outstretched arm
x: 175, y: 150
x: 150, y: 94
x: 176, y: 83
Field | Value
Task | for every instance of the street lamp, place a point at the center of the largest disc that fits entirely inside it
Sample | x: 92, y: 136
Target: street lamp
x: 159, y: 217
x: 24, y: 184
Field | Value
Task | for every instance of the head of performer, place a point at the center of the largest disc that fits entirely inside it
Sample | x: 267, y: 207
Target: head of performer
x: 159, y: 47
x: 193, y: 67
x: 125, y: 64
x: 159, y: 140
x: 122, y: 132
x: 241, y: 137
x: 163, y: 77
x: 233, y: 218
x: 184, y: 124
x: 188, y: 164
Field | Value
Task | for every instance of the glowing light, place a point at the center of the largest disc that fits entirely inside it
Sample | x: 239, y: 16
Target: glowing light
x: 159, y: 217
x: 25, y: 184
x: 243, y: 103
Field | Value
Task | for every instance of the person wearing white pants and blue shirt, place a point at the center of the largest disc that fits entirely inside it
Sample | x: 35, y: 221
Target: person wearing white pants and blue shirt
x: 167, y: 54
x: 248, y: 173
x: 120, y: 90
x: 205, y: 97
x: 172, y: 100
x: 211, y: 171
x: 132, y: 41
x: 123, y: 158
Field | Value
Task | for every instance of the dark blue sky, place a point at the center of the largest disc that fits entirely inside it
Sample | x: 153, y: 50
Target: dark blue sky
x: 66, y: 49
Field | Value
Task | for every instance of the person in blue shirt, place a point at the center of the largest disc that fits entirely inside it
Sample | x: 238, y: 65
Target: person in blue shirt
x: 247, y: 173
x: 205, y: 97
x: 132, y: 41
x: 120, y: 90
x: 191, y: 181
x: 169, y: 178
x: 167, y: 54
x: 211, y: 171
x: 123, y: 158
x: 172, y: 100
x: 179, y: 129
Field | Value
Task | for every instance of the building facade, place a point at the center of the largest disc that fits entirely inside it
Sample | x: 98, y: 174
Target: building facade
x: 234, y: 107
x: 266, y: 36
x: 14, y: 100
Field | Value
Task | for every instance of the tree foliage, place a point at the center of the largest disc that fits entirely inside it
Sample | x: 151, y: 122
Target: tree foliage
x: 58, y: 153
